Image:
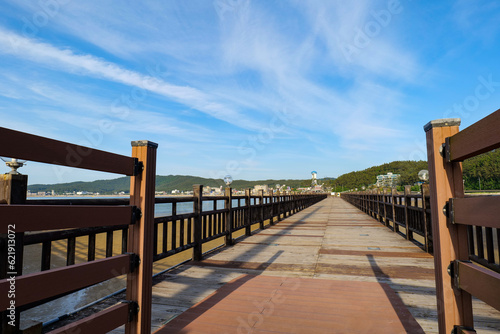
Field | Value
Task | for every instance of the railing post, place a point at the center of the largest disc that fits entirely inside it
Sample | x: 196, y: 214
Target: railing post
x: 140, y: 241
x: 261, y: 202
x: 248, y: 217
x: 197, y: 209
x: 228, y: 205
x: 278, y: 199
x: 285, y: 203
x: 271, y: 200
x: 409, y: 235
x: 394, y: 225
x: 13, y: 189
x: 366, y: 201
x: 424, y: 190
x: 372, y: 203
x: 384, y: 195
x: 450, y: 240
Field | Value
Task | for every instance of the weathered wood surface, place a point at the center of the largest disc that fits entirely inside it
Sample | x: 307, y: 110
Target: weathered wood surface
x: 330, y: 240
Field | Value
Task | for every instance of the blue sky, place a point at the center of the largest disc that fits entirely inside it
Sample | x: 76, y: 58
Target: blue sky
x: 255, y: 89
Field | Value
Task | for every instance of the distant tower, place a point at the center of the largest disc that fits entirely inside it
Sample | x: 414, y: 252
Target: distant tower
x: 314, y: 181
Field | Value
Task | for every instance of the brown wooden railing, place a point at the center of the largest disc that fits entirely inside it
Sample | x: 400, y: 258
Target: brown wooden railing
x: 174, y: 233
x: 460, y: 222
x: 144, y: 238
x: 24, y: 291
x: 405, y: 213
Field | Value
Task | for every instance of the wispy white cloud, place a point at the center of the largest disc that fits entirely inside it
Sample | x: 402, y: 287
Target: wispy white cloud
x: 68, y: 60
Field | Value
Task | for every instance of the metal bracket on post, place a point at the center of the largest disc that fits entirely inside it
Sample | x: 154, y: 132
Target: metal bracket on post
x: 451, y: 211
x: 133, y: 309
x: 453, y: 272
x: 138, y: 167
x: 136, y: 215
x: 446, y: 209
x: 135, y: 261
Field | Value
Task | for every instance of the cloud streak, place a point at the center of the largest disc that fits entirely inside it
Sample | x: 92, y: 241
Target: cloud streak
x: 68, y: 60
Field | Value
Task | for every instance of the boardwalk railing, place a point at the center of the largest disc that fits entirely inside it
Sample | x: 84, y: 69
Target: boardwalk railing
x: 460, y: 223
x: 24, y: 291
x: 173, y: 233
x: 410, y: 211
x: 144, y: 238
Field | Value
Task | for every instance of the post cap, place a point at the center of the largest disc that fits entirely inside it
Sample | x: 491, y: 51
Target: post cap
x: 439, y: 123
x: 144, y: 143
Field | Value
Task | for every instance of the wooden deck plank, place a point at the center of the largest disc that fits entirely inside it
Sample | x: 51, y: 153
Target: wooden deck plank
x: 304, y: 306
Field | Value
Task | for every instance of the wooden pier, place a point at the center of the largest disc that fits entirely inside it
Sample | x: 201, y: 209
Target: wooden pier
x: 302, y: 263
x: 327, y: 269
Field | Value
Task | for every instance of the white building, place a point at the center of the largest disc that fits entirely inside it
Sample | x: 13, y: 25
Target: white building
x: 388, y: 180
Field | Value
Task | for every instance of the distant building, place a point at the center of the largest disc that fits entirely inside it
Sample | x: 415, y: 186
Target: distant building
x: 318, y: 188
x: 258, y: 188
x: 388, y: 180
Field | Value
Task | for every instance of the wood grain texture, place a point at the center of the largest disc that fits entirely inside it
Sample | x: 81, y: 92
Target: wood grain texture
x: 482, y: 136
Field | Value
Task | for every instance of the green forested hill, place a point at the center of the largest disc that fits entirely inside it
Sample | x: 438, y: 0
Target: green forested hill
x: 484, y: 169
x: 407, y: 169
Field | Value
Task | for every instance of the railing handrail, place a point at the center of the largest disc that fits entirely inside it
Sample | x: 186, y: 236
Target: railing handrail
x: 40, y: 149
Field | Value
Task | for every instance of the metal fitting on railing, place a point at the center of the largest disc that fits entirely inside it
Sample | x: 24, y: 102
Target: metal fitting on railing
x: 135, y: 261
x: 136, y: 215
x: 133, y: 309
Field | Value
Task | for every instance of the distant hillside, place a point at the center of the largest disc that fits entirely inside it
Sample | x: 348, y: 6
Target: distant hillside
x: 483, y: 171
x: 163, y: 183
x: 407, y: 169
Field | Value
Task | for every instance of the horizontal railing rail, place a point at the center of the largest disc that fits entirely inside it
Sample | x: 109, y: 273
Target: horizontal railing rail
x: 172, y: 234
x: 40, y: 149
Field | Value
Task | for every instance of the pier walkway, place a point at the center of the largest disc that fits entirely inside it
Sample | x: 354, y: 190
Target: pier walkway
x: 327, y: 269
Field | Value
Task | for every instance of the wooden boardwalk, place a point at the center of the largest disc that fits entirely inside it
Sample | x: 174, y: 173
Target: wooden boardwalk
x: 327, y: 269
